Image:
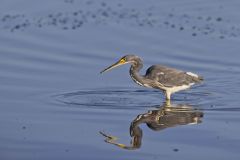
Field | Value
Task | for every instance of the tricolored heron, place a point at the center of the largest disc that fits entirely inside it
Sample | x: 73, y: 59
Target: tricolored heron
x: 167, y: 79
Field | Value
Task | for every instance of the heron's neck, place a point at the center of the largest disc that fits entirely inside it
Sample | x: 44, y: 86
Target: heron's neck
x: 134, y: 72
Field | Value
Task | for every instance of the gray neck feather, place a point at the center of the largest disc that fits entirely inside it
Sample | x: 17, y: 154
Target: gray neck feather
x: 134, y: 71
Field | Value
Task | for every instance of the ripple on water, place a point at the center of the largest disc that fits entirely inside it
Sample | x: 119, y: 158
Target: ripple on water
x: 112, y: 98
x: 125, y: 98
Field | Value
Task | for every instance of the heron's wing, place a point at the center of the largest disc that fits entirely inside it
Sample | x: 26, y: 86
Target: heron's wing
x: 170, y: 77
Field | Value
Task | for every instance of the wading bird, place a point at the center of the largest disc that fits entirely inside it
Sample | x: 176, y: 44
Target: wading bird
x: 167, y: 79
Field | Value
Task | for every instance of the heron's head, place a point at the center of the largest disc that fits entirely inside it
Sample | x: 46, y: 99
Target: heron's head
x: 124, y: 60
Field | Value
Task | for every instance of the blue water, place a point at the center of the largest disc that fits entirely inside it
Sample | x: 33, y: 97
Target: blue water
x: 54, y: 102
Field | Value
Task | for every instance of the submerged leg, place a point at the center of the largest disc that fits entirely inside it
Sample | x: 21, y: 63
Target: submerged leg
x: 167, y: 103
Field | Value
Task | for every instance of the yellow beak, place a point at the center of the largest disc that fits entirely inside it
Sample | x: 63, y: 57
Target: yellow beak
x: 118, y: 63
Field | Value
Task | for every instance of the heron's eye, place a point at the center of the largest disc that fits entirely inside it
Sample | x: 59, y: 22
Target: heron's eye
x: 122, y: 60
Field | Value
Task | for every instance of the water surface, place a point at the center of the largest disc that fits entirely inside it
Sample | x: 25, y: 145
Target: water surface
x: 54, y: 102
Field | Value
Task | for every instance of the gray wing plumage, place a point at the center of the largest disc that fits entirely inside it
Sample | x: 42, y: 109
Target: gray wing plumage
x: 170, y: 77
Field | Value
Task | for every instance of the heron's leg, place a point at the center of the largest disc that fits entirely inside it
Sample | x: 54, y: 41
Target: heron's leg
x: 167, y: 103
x: 168, y: 95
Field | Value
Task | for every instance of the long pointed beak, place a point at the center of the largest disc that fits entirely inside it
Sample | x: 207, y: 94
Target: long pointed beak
x: 119, y: 63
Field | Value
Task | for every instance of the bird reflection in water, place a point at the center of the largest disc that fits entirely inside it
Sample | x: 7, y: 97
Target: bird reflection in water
x: 164, y: 117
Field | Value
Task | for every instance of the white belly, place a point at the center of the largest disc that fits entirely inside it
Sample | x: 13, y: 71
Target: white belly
x: 178, y: 88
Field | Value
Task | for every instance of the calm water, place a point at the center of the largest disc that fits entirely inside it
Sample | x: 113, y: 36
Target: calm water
x: 54, y: 102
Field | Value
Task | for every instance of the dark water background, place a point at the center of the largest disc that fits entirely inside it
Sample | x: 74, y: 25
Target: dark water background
x: 54, y: 102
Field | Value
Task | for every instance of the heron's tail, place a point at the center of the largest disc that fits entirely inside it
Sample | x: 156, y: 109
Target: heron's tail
x: 198, y: 79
